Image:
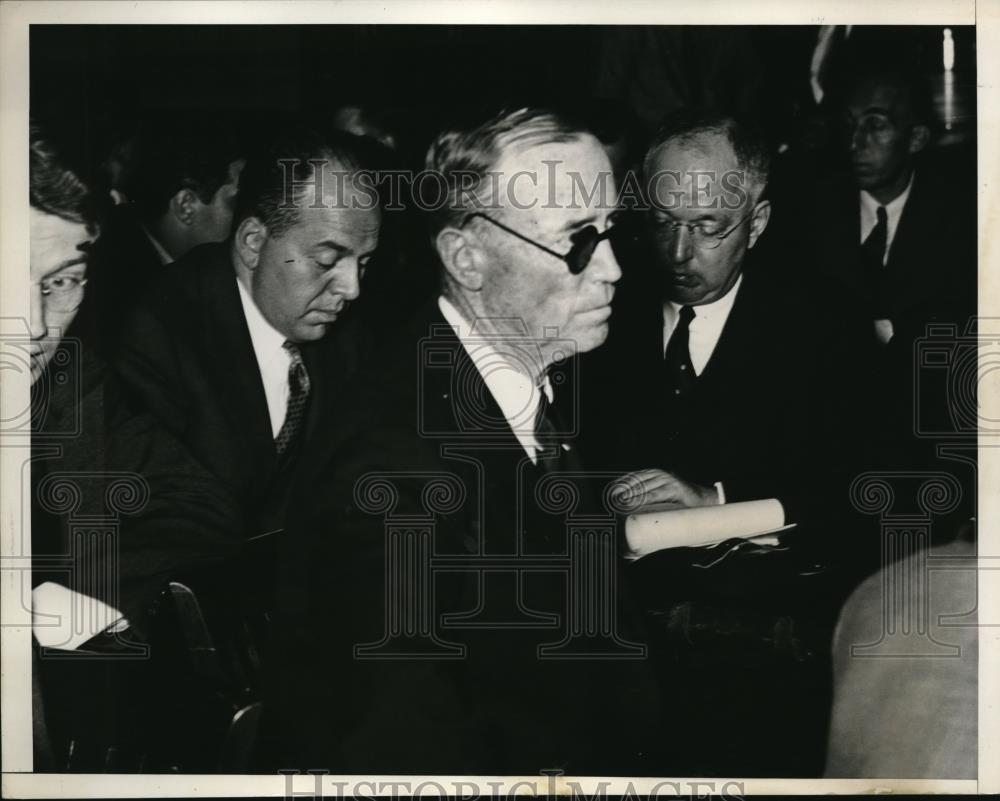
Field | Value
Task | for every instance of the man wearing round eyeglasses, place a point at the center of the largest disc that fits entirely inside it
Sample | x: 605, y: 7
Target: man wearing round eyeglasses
x: 739, y: 386
x: 60, y: 235
x: 732, y: 333
x: 87, y: 592
x: 706, y: 212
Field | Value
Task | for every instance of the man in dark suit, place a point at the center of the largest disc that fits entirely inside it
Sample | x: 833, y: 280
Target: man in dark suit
x: 182, y: 187
x: 898, y: 242
x: 886, y: 238
x: 453, y: 427
x: 229, y: 352
x: 731, y: 363
x: 721, y: 382
x: 228, y: 349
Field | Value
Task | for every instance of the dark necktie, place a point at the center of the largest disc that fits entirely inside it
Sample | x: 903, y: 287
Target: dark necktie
x: 550, y: 437
x: 872, y: 259
x: 677, y: 365
x: 298, y: 395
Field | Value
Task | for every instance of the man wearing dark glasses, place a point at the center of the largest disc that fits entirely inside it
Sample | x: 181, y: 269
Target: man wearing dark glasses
x: 456, y: 423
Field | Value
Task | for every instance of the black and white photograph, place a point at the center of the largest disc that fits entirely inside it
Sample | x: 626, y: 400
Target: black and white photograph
x: 508, y: 401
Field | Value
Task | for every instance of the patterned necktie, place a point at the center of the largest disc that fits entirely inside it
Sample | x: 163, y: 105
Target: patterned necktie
x: 298, y: 395
x: 873, y: 261
x: 677, y: 365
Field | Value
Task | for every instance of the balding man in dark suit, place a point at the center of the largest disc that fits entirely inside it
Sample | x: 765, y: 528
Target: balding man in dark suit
x: 230, y: 349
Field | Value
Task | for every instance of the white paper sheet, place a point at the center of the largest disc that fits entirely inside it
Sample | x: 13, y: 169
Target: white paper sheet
x: 655, y: 528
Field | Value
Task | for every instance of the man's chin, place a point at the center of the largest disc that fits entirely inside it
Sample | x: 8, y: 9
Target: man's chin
x: 865, y: 178
x: 595, y: 337
x: 686, y: 296
x: 310, y: 332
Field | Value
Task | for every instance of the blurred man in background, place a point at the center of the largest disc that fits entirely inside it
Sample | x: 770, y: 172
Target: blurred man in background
x: 896, y: 240
x: 182, y: 180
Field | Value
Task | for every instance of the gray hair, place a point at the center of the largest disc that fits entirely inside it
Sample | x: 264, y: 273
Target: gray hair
x: 465, y: 157
x: 743, y: 134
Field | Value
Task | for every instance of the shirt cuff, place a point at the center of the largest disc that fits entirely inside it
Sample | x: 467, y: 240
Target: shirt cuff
x: 64, y: 619
x: 721, y: 491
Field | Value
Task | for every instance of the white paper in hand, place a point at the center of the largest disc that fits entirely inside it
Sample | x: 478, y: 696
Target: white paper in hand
x: 654, y: 528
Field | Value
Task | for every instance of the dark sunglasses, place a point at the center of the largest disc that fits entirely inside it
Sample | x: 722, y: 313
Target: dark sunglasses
x: 585, y: 241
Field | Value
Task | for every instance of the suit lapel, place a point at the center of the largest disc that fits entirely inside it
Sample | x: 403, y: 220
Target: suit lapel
x: 238, y: 380
x: 843, y: 248
x: 332, y: 362
x: 457, y: 398
x: 637, y: 346
x: 911, y: 273
x: 730, y: 355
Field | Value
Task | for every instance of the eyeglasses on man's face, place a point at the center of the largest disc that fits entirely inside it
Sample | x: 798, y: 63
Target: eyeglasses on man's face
x: 62, y: 293
x: 703, y: 235
x: 584, y: 242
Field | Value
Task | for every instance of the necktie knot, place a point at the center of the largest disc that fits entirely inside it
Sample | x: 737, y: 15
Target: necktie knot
x: 687, y: 315
x: 298, y: 378
x: 882, y: 216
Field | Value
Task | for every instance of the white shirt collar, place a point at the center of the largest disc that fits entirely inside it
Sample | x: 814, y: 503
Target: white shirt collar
x: 893, y: 211
x: 272, y: 358
x: 706, y: 327
x: 513, y: 390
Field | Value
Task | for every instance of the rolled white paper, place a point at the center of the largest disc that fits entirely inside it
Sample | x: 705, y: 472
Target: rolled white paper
x: 655, y: 529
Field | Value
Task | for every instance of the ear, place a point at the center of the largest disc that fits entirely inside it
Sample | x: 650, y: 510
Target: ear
x: 759, y: 220
x: 249, y: 240
x: 920, y: 135
x: 184, y: 205
x: 462, y: 257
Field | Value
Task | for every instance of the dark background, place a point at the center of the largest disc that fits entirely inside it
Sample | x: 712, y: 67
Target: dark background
x: 90, y: 83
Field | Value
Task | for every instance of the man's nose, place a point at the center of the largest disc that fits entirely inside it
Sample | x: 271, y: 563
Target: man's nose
x: 604, y: 266
x: 348, y: 283
x: 858, y: 138
x: 36, y: 313
x: 681, y: 248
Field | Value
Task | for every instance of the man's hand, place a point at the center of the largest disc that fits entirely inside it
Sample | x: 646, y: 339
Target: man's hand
x: 658, y: 486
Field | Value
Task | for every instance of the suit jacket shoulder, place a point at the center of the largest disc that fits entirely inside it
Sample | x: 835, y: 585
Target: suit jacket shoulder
x: 187, y: 358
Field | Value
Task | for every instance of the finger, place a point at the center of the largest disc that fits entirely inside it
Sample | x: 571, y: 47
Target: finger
x: 635, y: 481
x: 661, y: 494
x: 644, y: 474
x: 641, y: 493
